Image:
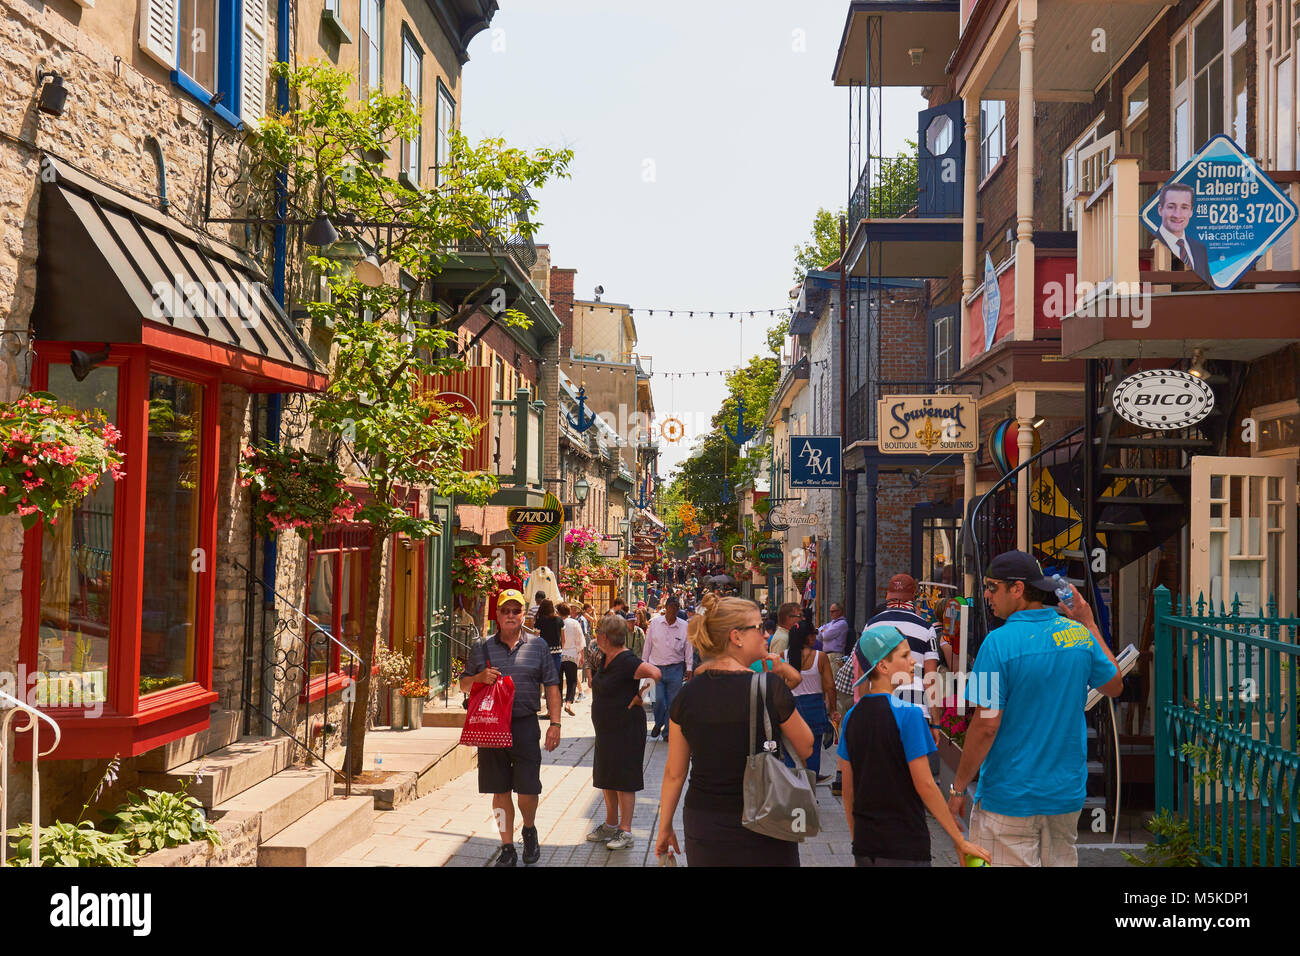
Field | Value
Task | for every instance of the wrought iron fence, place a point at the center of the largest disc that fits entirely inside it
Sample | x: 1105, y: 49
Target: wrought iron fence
x: 505, y: 234
x: 1227, y: 751
x: 862, y: 403
x: 886, y: 189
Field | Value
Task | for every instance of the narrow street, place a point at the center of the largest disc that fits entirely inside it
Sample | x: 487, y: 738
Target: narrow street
x: 453, y: 825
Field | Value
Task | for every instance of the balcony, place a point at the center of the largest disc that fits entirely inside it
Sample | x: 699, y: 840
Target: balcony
x: 1129, y: 301
x: 506, y: 236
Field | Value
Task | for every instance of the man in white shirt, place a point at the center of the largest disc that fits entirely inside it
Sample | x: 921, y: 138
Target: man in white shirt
x: 667, y: 648
x: 787, y: 616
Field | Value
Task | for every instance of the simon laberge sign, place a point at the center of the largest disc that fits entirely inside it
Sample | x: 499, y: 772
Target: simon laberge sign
x: 927, y: 425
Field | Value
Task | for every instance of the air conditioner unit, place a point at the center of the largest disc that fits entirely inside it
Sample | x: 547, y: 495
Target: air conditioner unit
x: 600, y: 357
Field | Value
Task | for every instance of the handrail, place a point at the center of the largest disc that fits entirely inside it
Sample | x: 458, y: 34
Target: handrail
x: 979, y: 505
x: 13, y: 706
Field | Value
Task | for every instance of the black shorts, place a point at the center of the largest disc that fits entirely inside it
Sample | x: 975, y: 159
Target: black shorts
x: 514, y: 769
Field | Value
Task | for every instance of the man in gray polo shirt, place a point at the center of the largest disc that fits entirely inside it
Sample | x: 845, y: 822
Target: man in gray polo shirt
x: 527, y: 661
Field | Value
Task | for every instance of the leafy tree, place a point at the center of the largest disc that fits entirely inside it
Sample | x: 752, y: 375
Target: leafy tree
x: 822, y: 247
x: 376, y: 413
x: 894, y: 190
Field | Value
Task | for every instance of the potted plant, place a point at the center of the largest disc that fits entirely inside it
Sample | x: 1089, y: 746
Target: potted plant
x: 414, y: 691
x: 294, y: 490
x: 952, y: 733
x: 51, y: 456
x: 394, y: 666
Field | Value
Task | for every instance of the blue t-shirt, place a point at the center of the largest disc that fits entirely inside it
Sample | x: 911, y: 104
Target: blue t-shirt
x: 913, y: 728
x: 1037, y: 669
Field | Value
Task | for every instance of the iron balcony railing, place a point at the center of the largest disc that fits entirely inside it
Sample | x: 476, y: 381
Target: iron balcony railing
x: 886, y: 189
x: 862, y: 402
x: 505, y: 235
x: 1227, y: 746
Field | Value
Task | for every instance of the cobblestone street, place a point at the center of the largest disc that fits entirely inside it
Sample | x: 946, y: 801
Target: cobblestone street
x: 453, y: 825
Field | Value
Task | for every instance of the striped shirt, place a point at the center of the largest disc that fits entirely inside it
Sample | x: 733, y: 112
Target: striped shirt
x: 921, y: 636
x: 530, y: 665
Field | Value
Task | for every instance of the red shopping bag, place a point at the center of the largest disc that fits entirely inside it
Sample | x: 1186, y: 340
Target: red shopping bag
x: 488, y: 722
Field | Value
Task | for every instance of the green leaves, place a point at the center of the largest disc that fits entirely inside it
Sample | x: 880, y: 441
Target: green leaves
x: 70, y: 844
x: 154, y: 820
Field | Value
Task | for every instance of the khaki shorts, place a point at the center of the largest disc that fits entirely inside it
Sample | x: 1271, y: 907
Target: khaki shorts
x: 1042, y: 840
x: 843, y: 701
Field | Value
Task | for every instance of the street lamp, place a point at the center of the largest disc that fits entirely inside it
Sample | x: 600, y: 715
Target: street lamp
x: 580, y: 489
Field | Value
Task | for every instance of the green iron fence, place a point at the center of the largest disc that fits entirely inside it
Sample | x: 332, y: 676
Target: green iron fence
x: 1226, y: 740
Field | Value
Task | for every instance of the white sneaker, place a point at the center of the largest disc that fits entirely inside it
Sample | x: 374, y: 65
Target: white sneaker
x: 620, y: 842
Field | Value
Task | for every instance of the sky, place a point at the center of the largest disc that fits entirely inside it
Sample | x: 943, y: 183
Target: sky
x: 706, y: 135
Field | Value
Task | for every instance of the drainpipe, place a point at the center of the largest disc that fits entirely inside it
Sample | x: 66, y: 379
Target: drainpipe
x: 152, y: 144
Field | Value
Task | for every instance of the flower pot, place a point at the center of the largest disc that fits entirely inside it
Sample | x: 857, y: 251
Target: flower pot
x: 396, y: 710
x: 414, y: 713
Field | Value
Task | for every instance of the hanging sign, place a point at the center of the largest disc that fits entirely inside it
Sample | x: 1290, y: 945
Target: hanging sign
x: 1219, y: 213
x: 1163, y: 399
x: 787, y: 515
x: 609, y: 546
x: 769, y: 553
x: 927, y: 425
x: 737, y: 554
x: 815, y: 461
x: 532, y: 525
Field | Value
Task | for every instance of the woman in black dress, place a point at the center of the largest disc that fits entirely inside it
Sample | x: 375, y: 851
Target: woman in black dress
x: 708, y: 731
x: 619, y: 717
x: 551, y: 626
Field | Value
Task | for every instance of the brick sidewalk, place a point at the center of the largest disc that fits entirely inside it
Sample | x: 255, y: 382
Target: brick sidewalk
x: 453, y: 826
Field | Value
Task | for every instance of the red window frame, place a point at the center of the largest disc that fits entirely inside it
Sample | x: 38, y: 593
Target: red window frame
x: 129, y: 724
x: 336, y: 677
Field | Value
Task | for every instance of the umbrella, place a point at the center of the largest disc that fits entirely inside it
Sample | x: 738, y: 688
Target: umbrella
x: 723, y: 579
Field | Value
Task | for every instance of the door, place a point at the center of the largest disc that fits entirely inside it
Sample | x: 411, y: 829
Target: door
x: 941, y: 163
x: 438, y: 619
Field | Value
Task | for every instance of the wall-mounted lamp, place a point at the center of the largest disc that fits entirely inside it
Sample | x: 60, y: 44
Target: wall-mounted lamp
x: 916, y: 53
x: 84, y: 362
x: 1197, y: 367
x: 1038, y: 423
x: 54, y: 95
x: 580, y: 489
x: 321, y: 232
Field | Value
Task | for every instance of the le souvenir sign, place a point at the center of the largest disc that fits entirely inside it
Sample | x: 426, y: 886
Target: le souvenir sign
x: 1163, y: 399
x: 927, y: 425
x: 532, y: 525
x: 1219, y: 213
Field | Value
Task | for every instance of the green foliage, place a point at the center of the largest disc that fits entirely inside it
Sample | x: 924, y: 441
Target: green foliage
x: 154, y: 820
x: 894, y: 192
x: 822, y: 247
x: 71, y: 844
x: 1174, y: 844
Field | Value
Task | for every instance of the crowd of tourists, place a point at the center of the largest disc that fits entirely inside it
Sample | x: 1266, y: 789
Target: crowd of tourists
x: 730, y: 684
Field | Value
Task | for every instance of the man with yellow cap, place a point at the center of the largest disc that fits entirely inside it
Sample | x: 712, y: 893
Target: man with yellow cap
x: 525, y: 659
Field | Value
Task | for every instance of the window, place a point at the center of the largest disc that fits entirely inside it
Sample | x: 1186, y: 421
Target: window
x: 943, y: 326
x: 1280, y: 88
x: 993, y: 144
x: 1082, y: 170
x: 337, y: 577
x: 1210, y: 62
x: 215, y: 51
x: 446, y: 123
x: 412, y: 86
x: 370, y: 69
x: 1137, y: 100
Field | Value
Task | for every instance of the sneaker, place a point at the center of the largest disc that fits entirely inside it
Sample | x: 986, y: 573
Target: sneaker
x: 655, y: 731
x: 825, y: 778
x: 620, y: 842
x: 508, y: 856
x: 603, y: 833
x: 651, y: 736
x: 532, y: 849
x: 837, y: 787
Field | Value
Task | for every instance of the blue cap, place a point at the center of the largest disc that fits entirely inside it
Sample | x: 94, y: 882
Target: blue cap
x: 875, y: 644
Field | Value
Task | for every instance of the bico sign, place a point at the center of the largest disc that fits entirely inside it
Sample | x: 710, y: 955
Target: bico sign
x: 927, y: 424
x: 1163, y: 399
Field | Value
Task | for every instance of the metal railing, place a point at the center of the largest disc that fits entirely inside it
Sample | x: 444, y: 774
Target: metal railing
x: 12, y: 707
x: 1227, y: 750
x: 862, y: 403
x: 885, y: 190
x: 286, y: 677
x: 504, y: 235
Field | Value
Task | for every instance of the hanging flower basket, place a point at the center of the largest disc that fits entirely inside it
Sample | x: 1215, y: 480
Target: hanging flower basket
x: 51, y: 456
x: 294, y: 490
x: 471, y: 575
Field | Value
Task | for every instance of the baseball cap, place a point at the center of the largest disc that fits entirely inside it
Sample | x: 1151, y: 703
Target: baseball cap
x: 875, y: 644
x: 1019, y: 566
x: 506, y: 597
x: 902, y: 584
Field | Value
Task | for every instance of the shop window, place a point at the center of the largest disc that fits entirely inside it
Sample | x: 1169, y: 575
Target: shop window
x: 338, y: 573
x: 1277, y: 433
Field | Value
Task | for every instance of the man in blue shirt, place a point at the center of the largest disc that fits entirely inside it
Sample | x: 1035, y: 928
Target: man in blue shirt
x: 1028, y: 739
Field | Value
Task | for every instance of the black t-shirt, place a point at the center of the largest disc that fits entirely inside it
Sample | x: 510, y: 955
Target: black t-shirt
x: 552, y: 631
x: 888, y: 815
x: 713, y: 711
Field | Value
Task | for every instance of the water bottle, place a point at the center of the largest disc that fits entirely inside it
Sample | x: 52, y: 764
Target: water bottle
x: 379, y: 760
x: 1064, y: 593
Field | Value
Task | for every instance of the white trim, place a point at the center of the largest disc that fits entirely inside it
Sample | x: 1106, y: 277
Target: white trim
x: 159, y: 21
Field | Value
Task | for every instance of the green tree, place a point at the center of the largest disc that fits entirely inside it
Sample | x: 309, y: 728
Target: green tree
x: 378, y: 415
x: 822, y: 247
x: 894, y: 191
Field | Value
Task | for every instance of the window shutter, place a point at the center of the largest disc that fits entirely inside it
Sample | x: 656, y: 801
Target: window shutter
x: 159, y: 21
x: 252, y: 68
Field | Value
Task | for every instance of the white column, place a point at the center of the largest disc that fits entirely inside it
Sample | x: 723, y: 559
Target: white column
x: 968, y: 487
x: 1024, y: 315
x: 1025, y: 411
x: 969, y: 209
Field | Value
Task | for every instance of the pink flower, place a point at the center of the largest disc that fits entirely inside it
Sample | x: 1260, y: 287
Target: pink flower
x: 267, y: 496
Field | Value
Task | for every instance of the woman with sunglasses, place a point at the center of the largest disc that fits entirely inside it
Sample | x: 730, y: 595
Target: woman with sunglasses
x: 708, y: 732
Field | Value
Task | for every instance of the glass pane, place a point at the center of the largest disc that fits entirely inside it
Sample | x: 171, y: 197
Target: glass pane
x: 1238, y: 13
x: 171, y: 533
x: 1207, y: 39
x: 197, y: 47
x: 1286, y: 125
x: 1138, y: 97
x: 1255, y: 485
x: 1216, y: 486
x: 354, y: 598
x: 1182, y: 133
x: 77, y: 571
x: 1239, y: 98
x: 320, y: 609
x: 1180, y: 62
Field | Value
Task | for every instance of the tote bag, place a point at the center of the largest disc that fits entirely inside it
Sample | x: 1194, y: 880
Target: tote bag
x: 488, y: 722
x: 779, y: 801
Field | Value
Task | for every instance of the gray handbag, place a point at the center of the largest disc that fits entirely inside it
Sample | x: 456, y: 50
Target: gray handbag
x: 780, y: 801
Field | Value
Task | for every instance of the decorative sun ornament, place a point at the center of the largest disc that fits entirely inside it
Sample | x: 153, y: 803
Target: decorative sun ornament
x: 672, y: 429
x: 686, y: 512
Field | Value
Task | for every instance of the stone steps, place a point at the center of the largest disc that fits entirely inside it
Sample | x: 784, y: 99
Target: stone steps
x: 226, y: 772
x: 321, y: 835
x: 222, y: 731
x: 278, y: 801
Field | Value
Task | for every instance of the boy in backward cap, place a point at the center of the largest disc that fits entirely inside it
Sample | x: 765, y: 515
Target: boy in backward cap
x: 883, y: 753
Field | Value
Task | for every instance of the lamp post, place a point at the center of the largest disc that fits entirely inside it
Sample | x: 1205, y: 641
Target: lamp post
x: 625, y: 526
